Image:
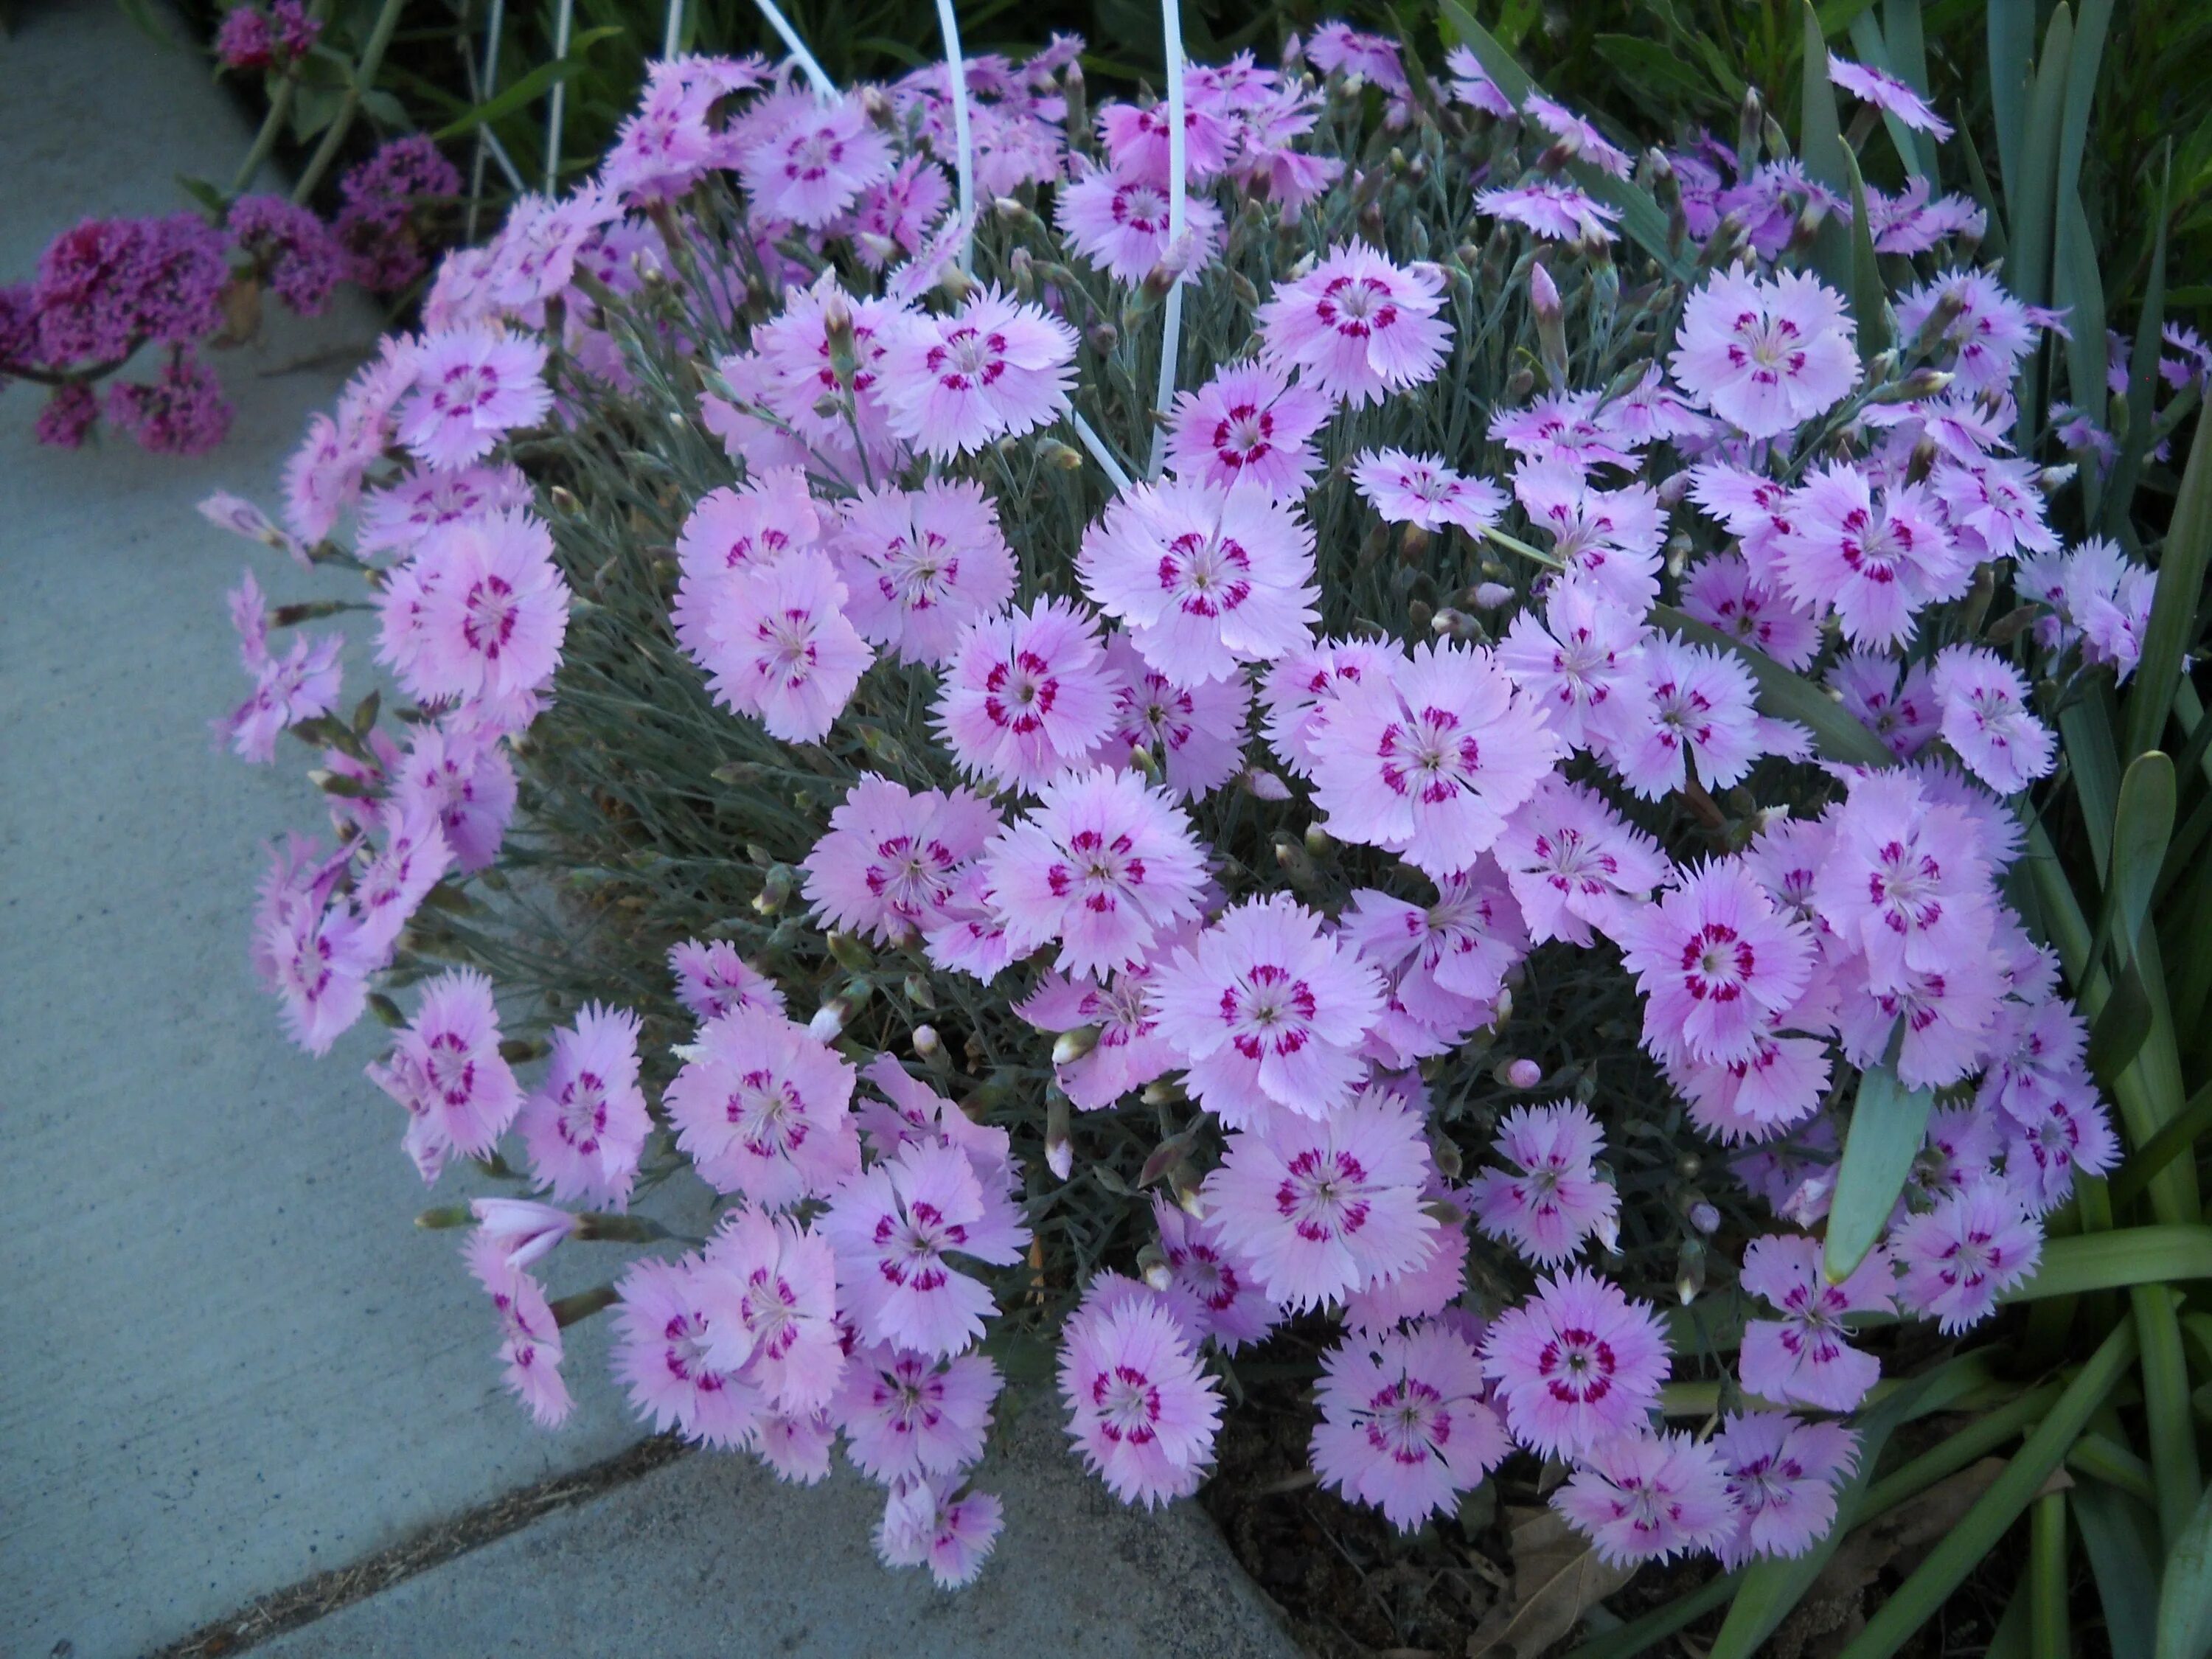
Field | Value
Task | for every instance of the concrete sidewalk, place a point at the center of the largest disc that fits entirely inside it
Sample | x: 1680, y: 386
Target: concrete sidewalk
x: 232, y: 1364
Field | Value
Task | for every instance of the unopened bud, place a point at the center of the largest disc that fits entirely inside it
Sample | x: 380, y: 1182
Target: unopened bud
x: 1524, y: 1073
x: 1060, y: 457
x: 1443, y: 1152
x: 926, y: 1041
x: 1071, y: 1045
x: 1101, y: 337
x: 1320, y: 844
x: 1264, y: 784
x: 829, y: 1020
x: 849, y: 951
x: 1705, y: 1218
x: 1241, y: 286
x: 445, y: 1216
x: 1058, y: 1146
x: 1489, y: 595
x: 1142, y: 760
x: 1152, y: 1265
x: 775, y: 890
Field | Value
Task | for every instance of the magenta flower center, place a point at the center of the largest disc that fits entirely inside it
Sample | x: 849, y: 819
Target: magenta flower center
x: 917, y: 574
x: 1097, y: 872
x: 489, y: 618
x: 1408, y: 1422
x: 1019, y: 694
x: 1428, y: 756
x: 769, y: 1114
x: 1357, y: 308
x: 1323, y: 1195
x: 1717, y: 963
x: 1128, y: 1405
x: 787, y: 650
x: 1267, y: 1008
x: 583, y: 1115
x: 1578, y: 1367
x: 1207, y: 575
x: 911, y: 1249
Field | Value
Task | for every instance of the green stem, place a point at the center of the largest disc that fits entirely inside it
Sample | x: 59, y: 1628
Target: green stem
x: 364, y: 74
x: 280, y: 111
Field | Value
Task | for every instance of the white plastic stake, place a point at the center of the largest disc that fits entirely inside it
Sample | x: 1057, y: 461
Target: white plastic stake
x: 1178, y: 190
x: 825, y: 88
x: 674, y: 37
x: 955, y: 69
x: 561, y: 22
x: 1099, y: 452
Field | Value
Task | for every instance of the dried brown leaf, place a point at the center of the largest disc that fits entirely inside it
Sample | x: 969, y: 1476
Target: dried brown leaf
x: 1557, y: 1578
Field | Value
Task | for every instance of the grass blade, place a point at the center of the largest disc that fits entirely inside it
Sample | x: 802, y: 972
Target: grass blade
x: 1888, y: 1124
x: 2121, y: 1541
x: 1820, y: 147
x: 2177, y: 1135
x: 2011, y: 30
x: 2142, y: 827
x: 1869, y: 298
x: 2034, y: 208
x: 2185, y: 1598
x: 2131, y: 1255
x: 2169, y: 635
x: 2142, y: 366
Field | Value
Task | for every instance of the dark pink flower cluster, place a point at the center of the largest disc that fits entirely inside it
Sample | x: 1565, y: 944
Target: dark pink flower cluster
x: 249, y: 38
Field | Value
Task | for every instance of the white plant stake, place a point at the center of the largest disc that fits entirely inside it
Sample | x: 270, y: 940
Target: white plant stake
x: 488, y: 142
x: 674, y: 37
x: 825, y: 88
x: 1171, y: 320
x: 562, y: 19
x: 955, y: 69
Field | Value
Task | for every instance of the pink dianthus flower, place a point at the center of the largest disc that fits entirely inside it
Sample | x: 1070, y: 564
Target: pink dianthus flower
x: 1120, y: 221
x: 1714, y: 960
x: 1573, y: 864
x: 1248, y: 425
x: 1648, y: 1496
x: 1357, y: 326
x: 1959, y: 1257
x: 764, y: 1109
x: 529, y: 1337
x: 1403, y: 1423
x: 808, y: 166
x: 780, y: 647
x: 446, y: 1069
x: 1766, y: 355
x: 1987, y: 722
x: 585, y: 1125
x: 1803, y: 1359
x: 930, y: 1520
x: 1877, y: 563
x: 1140, y: 1410
x: 1027, y: 693
x: 1552, y: 1199
x: 919, y: 565
x: 1782, y: 1474
x: 768, y: 1289
x: 490, y: 611
x: 711, y: 979
x: 1196, y: 730
x: 1576, y: 1365
x: 890, y: 863
x: 993, y: 368
x: 1420, y: 490
x: 905, y: 1414
x: 472, y: 386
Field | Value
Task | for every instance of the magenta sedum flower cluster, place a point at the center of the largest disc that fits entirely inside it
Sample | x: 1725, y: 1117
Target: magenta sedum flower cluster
x: 1113, y: 761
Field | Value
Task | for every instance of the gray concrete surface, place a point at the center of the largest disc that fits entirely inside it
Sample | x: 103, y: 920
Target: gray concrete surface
x: 711, y: 1557
x: 230, y: 1362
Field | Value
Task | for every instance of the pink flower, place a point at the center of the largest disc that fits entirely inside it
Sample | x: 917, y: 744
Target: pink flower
x: 472, y: 386
x: 890, y: 864
x: 711, y: 979
x: 906, y: 1415
x: 895, y: 1227
x: 1995, y: 507
x: 1904, y: 880
x: 397, y: 517
x: 765, y: 1109
x: 1301, y: 691
x: 518, y: 1232
x: 809, y: 167
x: 1446, y: 961
x: 1403, y: 1423
x: 768, y: 1289
x: 732, y: 535
x: 1583, y: 664
x: 1987, y: 722
x: 1137, y: 141
x: 1647, y: 1497
x: 1356, y: 327
x: 1427, y: 763
x: 1471, y: 84
x: 1197, y: 732
x: 468, y: 781
x: 1553, y: 1200
x: 1420, y: 490
x: 1325, y: 1208
x: 1103, y: 863
x: 314, y: 956
x: 445, y: 1067
x: 1339, y: 48
x: 1902, y: 712
x: 1129, y: 1051
x: 393, y: 885
x: 492, y: 611
x: 1205, y: 578
x: 1608, y: 539
x: 1803, y: 1359
x: 1699, y: 709
x: 796, y: 1446
x: 1027, y: 695
x: 1214, y: 1288
x: 1577, y: 138
x: 1714, y: 960
x: 1782, y: 1474
x: 529, y: 1338
x: 1550, y: 209
x: 302, y: 684
x: 1766, y: 356
x: 1722, y: 591
x: 662, y: 1331
x: 993, y: 368
x: 930, y: 1520
x: 1780, y: 1083
x: 1268, y: 1013
x: 779, y: 648
x: 1947, y: 1018
x: 1893, y: 96
x: 1248, y: 424
x: 1877, y: 563
x: 1140, y: 1409
x: 1574, y: 864
x: 1990, y: 334
x: 1576, y: 1365
x: 899, y: 211
x: 919, y: 565
x: 1960, y: 1256
x: 1119, y: 221
x: 586, y: 1124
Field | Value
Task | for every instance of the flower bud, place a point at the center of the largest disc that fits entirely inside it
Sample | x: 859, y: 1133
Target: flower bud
x: 927, y: 1042
x: 1444, y: 1152
x: 1101, y: 337
x: 829, y: 1019
x: 1071, y: 1045
x: 1523, y: 1073
x: 444, y: 1216
x: 1264, y: 784
x: 1320, y: 844
x: 849, y: 951
x: 1703, y: 1217
x: 1146, y: 762
x: 1488, y: 596
x: 1058, y: 1146
x: 1060, y: 457
x: 1153, y: 1267
x: 1921, y: 384
x: 775, y: 890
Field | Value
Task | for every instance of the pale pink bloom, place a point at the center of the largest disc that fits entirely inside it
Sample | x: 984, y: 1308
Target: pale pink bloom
x: 1904, y: 880
x: 1990, y: 334
x: 969, y: 938
x: 1766, y: 355
x: 1205, y: 578
x: 1197, y: 732
x: 1894, y: 701
x: 1714, y: 960
x: 323, y: 475
x: 1403, y: 1423
x: 1651, y: 410
x: 468, y: 781
x: 896, y: 1227
x: 1552, y: 209
x: 1471, y: 84
x: 905, y: 1414
x: 1356, y: 327
x: 2053, y: 1125
x: 1579, y: 139
x: 1699, y: 709
x: 919, y: 565
x: 768, y: 1289
x: 1444, y: 960
x: 1213, y: 1289
x: 2100, y: 598
x: 302, y: 684
x: 1271, y: 163
x: 732, y: 535
x: 661, y: 1335
x: 1995, y: 505
x: 810, y: 165
x: 313, y: 955
x: 1783, y: 1473
x: 1427, y: 763
x: 242, y: 518
x: 517, y: 1232
x: 1337, y: 47
x: 1960, y: 1256
x: 1608, y: 539
x: 765, y: 1109
x: 890, y: 863
x: 1268, y: 1012
x: 1325, y: 1208
x: 1722, y: 591
x: 796, y: 1446
x: 1552, y: 1199
x: 817, y: 424
x: 530, y: 1338
x: 1120, y: 221
x: 1947, y: 1019
x: 895, y: 217
x: 1573, y: 864
x: 586, y: 1124
x: 1426, y: 1290
x: 472, y: 385
x: 1803, y: 1358
x: 392, y: 886
x: 1875, y: 563
x: 931, y: 1521
x: 1582, y: 664
x: 711, y: 979
x: 1420, y: 490
x: 397, y: 517
x: 779, y: 648
x: 1103, y: 863
x: 445, y: 1067
x: 492, y: 612
x: 1756, y: 509
x: 1645, y: 1497
x: 913, y: 1114
x: 1136, y: 139
x: 1887, y: 92
x: 1140, y: 1410
x: 1576, y: 1365
x: 993, y: 368
x: 1780, y: 1083
x: 1301, y: 690
x: 1987, y: 722
x: 1027, y: 695
x: 1129, y: 1051
x: 1250, y: 425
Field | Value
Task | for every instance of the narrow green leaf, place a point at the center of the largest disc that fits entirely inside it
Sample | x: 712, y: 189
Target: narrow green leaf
x: 2080, y: 289
x: 2047, y: 1631
x: 2142, y: 366
x: 2121, y: 1539
x: 1820, y: 149
x: 2165, y: 1407
x: 1786, y: 695
x: 2090, y: 25
x: 2178, y: 1135
x: 1908, y: 58
x: 1994, y: 244
x: 1640, y: 1635
x: 2011, y: 30
x: 2110, y: 1260
x: 2105, y: 1460
x: 2184, y: 1596
x: 2034, y: 208
x: 2169, y: 634
x: 1869, y: 297
x: 530, y: 88
x: 2141, y: 828
x: 1889, y: 1121
x: 2089, y: 729
x: 2120, y: 1028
